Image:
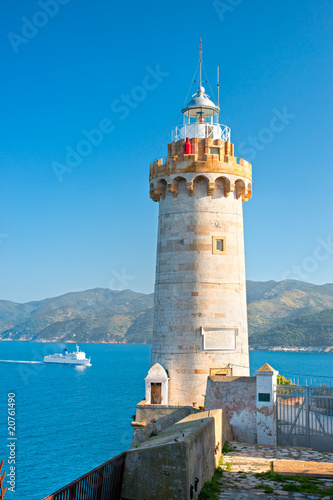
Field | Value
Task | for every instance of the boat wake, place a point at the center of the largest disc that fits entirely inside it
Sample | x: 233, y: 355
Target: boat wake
x: 16, y: 361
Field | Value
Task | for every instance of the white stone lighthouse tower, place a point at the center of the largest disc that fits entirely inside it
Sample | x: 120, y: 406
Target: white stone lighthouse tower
x: 200, y: 316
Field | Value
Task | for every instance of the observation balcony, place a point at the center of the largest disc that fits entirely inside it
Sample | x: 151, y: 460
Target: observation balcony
x: 202, y: 131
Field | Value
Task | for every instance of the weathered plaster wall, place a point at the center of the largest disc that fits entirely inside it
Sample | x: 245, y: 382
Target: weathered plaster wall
x: 237, y: 398
x: 266, y: 409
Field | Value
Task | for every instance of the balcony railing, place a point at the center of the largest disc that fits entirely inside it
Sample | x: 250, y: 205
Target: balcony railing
x: 201, y: 130
x: 102, y: 483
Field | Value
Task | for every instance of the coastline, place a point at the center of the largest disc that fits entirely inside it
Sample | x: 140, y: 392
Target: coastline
x: 60, y: 341
x: 291, y: 349
x: 251, y: 348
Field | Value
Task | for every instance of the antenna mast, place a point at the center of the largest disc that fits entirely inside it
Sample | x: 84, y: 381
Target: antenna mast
x: 200, y: 62
x: 218, y: 94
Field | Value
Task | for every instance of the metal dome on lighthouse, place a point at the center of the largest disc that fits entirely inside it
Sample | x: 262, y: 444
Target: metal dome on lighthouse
x: 201, y: 115
x: 200, y: 106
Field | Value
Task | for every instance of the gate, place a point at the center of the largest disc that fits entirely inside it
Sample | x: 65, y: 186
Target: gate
x: 305, y: 416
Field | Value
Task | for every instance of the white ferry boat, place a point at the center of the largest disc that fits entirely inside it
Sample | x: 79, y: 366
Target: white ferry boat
x: 69, y: 358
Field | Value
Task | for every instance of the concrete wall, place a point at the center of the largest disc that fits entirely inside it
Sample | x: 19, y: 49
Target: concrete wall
x: 157, y: 425
x: 237, y: 398
x: 227, y: 432
x: 146, y: 412
x: 223, y: 430
x: 174, y: 463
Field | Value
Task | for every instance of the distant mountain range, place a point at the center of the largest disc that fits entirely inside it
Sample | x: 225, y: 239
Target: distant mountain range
x: 313, y: 330
x: 98, y: 315
x: 289, y: 312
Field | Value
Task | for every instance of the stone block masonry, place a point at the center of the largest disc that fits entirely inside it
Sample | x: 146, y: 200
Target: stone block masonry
x: 200, y: 315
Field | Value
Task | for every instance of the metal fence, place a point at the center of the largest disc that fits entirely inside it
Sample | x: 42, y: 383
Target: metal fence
x: 305, y: 416
x: 2, y: 477
x: 102, y: 483
x: 201, y: 130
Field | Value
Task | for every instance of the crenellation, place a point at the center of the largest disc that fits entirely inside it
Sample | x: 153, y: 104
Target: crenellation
x: 201, y: 160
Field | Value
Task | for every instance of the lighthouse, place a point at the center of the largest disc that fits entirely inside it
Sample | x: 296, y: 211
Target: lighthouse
x: 200, y: 311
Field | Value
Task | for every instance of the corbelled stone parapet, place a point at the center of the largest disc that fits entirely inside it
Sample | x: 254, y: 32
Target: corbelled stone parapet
x: 208, y: 156
x: 216, y: 185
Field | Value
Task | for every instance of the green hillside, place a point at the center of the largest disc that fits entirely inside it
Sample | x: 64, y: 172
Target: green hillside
x: 315, y: 330
x: 103, y: 315
x: 273, y: 303
x: 98, y: 315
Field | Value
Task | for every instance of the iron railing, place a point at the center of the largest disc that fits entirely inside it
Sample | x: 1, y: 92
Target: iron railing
x: 305, y: 416
x: 2, y: 477
x: 201, y: 130
x: 102, y: 483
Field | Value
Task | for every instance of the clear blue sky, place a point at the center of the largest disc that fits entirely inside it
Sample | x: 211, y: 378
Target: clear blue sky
x: 97, y: 228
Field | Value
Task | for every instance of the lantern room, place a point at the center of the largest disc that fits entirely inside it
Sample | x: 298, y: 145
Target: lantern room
x: 200, y: 109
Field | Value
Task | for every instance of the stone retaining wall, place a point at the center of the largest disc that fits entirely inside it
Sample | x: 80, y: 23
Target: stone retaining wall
x: 175, y: 464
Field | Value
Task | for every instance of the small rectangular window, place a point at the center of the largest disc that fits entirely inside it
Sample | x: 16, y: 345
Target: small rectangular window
x: 219, y: 245
x: 214, y: 151
x: 264, y: 397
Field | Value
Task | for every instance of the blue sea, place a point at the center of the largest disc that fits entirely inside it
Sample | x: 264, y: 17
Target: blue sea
x: 71, y: 419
